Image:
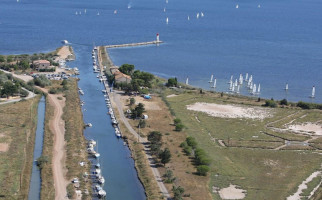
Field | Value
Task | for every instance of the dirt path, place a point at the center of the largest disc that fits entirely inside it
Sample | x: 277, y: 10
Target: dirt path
x: 115, y: 97
x: 57, y: 125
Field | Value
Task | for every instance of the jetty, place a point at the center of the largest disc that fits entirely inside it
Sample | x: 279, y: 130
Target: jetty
x: 156, y: 42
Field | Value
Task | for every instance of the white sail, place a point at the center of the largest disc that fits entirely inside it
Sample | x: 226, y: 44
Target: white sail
x: 188, y: 18
x: 76, y: 13
x: 231, y: 85
x: 246, y: 77
x: 85, y: 11
x: 187, y: 81
x: 167, y: 20
x: 98, y: 13
x: 313, y: 92
x: 254, y: 89
x: 214, y: 85
x: 286, y: 86
x: 197, y: 16
x: 251, y: 86
x: 211, y: 78
x: 236, y: 82
x: 259, y: 88
x: 164, y: 9
x: 202, y: 15
x: 233, y: 88
x: 238, y: 88
x: 241, y: 79
x: 237, y: 6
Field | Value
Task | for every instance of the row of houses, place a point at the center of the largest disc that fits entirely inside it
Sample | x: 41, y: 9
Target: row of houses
x: 119, y: 76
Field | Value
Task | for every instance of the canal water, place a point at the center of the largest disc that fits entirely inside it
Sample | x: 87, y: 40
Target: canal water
x: 121, y: 180
x: 35, y: 181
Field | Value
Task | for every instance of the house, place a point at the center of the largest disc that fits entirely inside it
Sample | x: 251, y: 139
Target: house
x: 114, y: 69
x: 122, y: 78
x: 41, y: 64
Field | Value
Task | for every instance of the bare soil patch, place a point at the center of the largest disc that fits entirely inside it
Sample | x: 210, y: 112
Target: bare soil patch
x: 150, y: 104
x: 171, y: 95
x: 4, y: 147
x: 232, y: 192
x: 308, y: 128
x: 230, y: 111
x: 64, y: 52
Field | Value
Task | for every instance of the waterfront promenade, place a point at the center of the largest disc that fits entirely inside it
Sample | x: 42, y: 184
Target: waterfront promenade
x: 133, y: 44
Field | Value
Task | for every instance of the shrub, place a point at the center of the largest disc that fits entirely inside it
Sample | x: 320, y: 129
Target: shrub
x: 52, y: 91
x: 179, y: 127
x: 191, y: 141
x: 177, y: 192
x: 202, y: 170
x: 165, y: 156
x: 270, y: 103
x: 176, y: 121
x: 142, y: 123
x: 41, y: 161
x: 283, y: 102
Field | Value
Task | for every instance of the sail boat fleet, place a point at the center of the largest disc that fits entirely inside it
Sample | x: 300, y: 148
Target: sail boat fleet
x: 235, y: 86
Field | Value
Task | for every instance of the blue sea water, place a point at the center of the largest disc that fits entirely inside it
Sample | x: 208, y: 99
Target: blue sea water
x: 278, y: 43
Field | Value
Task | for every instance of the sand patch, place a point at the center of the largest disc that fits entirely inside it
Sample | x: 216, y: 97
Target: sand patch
x: 149, y: 104
x: 309, y: 128
x: 302, y: 186
x: 232, y: 192
x: 171, y: 95
x: 4, y: 147
x: 230, y: 111
x: 64, y: 52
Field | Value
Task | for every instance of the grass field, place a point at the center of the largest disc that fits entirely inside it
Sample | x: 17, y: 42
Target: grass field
x: 18, y: 123
x: 264, y: 173
x: 74, y: 137
x: 47, y: 181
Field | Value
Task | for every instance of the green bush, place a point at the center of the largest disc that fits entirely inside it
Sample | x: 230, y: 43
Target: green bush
x: 202, y: 170
x: 191, y: 141
x: 179, y: 127
x: 270, y: 103
x: 52, y: 91
x: 283, y: 102
x: 41, y: 161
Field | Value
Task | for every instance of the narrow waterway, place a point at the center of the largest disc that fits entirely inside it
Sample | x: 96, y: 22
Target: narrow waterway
x: 35, y: 181
x: 121, y: 180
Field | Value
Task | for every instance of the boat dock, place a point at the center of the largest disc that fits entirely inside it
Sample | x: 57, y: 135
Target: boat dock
x: 156, y: 42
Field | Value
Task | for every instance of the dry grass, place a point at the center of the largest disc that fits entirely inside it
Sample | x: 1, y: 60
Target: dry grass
x: 74, y: 137
x: 18, y: 123
x: 161, y: 120
x: 47, y: 180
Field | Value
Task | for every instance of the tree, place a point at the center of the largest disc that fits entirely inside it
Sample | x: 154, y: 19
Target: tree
x: 127, y: 69
x: 9, y: 89
x: 165, y: 156
x: 284, y: 102
x: 176, y: 121
x: 138, y: 111
x: 24, y: 64
x: 191, y: 141
x: 132, y: 101
x: 202, y: 170
x: 270, y: 103
x: 2, y: 58
x: 177, y: 192
x: 155, y: 137
x: 179, y: 127
x: 168, y: 176
x: 142, y: 123
x: 201, y: 157
x: 172, y: 82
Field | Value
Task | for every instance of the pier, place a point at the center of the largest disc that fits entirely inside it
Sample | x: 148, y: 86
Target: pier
x: 156, y: 42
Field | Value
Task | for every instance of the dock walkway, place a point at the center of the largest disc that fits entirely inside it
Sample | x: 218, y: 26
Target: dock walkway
x: 133, y: 44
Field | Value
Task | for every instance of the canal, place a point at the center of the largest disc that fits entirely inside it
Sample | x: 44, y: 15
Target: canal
x: 35, y: 181
x: 121, y: 180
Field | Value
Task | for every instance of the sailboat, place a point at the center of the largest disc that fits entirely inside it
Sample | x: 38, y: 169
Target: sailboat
x: 259, y: 89
x: 241, y: 79
x: 286, y: 87
x: 187, y: 81
x: 313, y: 92
x: 214, y: 85
x: 238, y: 88
x: 231, y: 85
x: 202, y: 15
x: 236, y: 82
x: 233, y: 88
x: 76, y: 13
x: 188, y: 18
x: 197, y: 15
x: 115, y: 12
x: 211, y: 78
x: 167, y: 20
x: 246, y: 77
x: 237, y: 6
x: 166, y: 1
x: 254, y: 89
x: 85, y: 11
x: 98, y: 13
x: 258, y: 6
x: 164, y: 10
x: 231, y: 79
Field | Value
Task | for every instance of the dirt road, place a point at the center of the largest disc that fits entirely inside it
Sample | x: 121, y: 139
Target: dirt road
x: 57, y: 125
x: 116, y: 101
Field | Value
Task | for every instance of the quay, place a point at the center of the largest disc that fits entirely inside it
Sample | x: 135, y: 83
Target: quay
x: 134, y: 44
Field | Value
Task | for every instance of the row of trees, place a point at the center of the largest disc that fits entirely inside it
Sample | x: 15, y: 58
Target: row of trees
x: 155, y: 139
x: 201, y: 158
x: 178, y: 124
x: 304, y: 105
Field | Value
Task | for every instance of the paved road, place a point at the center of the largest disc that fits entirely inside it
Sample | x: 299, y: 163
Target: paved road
x: 115, y: 97
x: 30, y: 95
